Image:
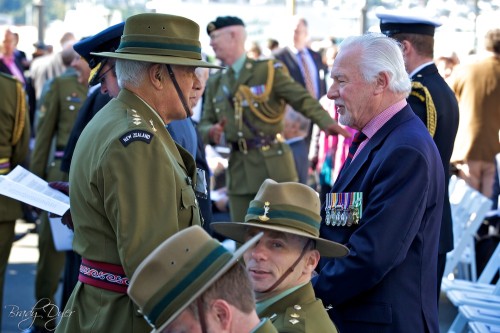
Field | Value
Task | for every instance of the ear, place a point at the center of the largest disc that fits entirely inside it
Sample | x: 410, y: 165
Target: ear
x: 312, y: 261
x: 155, y: 76
x: 406, y: 47
x: 382, y: 82
x: 221, y: 310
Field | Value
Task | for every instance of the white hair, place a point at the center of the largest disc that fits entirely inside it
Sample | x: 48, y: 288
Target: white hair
x: 380, y: 53
x: 131, y: 72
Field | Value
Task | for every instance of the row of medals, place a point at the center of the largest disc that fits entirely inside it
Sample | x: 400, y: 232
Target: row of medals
x: 342, y: 214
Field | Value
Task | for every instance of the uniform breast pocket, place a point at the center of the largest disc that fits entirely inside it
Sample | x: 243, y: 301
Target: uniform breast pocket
x: 188, y: 198
x: 188, y: 207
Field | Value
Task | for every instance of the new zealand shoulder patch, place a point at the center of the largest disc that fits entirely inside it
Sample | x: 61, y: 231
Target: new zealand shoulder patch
x: 136, y: 135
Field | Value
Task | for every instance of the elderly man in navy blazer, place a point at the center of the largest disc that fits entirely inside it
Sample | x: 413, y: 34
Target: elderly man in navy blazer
x: 386, y: 205
x: 431, y: 99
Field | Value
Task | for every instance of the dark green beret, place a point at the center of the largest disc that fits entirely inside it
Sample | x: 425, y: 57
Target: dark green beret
x: 224, y: 21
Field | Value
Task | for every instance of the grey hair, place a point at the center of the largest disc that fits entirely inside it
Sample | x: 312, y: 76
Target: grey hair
x: 380, y: 53
x: 130, y: 72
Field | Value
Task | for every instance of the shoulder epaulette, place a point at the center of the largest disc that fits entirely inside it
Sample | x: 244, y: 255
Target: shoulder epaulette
x: 137, y: 131
x: 422, y: 93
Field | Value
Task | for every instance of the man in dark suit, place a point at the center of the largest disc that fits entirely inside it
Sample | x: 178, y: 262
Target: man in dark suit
x: 431, y: 99
x: 386, y: 205
x: 291, y: 56
x: 307, y: 68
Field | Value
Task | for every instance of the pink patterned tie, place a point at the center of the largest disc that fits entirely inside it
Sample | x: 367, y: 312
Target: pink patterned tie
x: 307, y: 75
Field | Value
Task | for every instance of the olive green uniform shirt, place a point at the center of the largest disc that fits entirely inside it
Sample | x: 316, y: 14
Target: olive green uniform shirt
x: 130, y: 189
x: 299, y: 312
x: 268, y: 88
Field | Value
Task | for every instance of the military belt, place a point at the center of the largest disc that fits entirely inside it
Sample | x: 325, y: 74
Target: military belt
x: 244, y: 145
x: 103, y: 275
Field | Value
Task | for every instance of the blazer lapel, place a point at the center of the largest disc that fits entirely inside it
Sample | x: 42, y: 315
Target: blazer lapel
x: 347, y: 175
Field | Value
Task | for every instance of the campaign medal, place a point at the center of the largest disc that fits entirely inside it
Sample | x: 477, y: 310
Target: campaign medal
x: 358, y: 206
x: 344, y: 209
x: 338, y: 215
x: 347, y: 212
x: 328, y: 209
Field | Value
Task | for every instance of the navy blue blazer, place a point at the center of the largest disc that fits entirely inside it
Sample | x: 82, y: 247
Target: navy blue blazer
x: 446, y: 130
x: 388, y: 281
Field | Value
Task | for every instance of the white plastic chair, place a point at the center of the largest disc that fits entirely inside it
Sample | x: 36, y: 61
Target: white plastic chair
x: 468, y: 208
x: 484, y: 282
x: 478, y: 327
x: 478, y: 305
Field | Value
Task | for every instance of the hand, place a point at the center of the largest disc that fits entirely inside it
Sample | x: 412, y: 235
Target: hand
x: 215, y: 132
x: 335, y: 129
x: 313, y: 162
x: 63, y: 187
x: 60, y: 186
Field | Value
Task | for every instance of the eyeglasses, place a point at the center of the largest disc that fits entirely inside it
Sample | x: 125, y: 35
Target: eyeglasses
x: 102, y: 77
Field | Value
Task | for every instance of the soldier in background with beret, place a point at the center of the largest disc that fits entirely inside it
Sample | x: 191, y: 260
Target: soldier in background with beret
x: 245, y: 103
x: 431, y: 99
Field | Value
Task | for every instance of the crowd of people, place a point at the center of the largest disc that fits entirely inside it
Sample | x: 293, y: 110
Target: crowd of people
x: 336, y: 177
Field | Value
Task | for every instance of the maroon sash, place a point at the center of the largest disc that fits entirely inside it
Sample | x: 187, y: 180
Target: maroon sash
x: 103, y: 275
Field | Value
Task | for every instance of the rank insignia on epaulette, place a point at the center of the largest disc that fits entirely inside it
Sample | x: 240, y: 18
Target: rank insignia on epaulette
x: 136, y: 119
x: 152, y: 125
x: 343, y: 209
x: 136, y: 135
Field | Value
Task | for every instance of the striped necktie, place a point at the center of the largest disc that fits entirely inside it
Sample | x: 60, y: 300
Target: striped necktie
x: 307, y: 74
x: 356, y: 141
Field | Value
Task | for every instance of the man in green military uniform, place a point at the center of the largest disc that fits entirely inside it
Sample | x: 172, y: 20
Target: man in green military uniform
x: 282, y: 262
x: 14, y: 147
x: 131, y: 185
x: 61, y: 102
x: 246, y: 103
x: 191, y: 283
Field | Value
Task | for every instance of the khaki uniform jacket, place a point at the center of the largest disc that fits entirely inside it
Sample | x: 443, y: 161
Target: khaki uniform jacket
x: 300, y: 312
x: 477, y: 87
x: 57, y: 116
x: 130, y: 189
x: 266, y: 327
x: 271, y: 88
x: 14, y: 126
